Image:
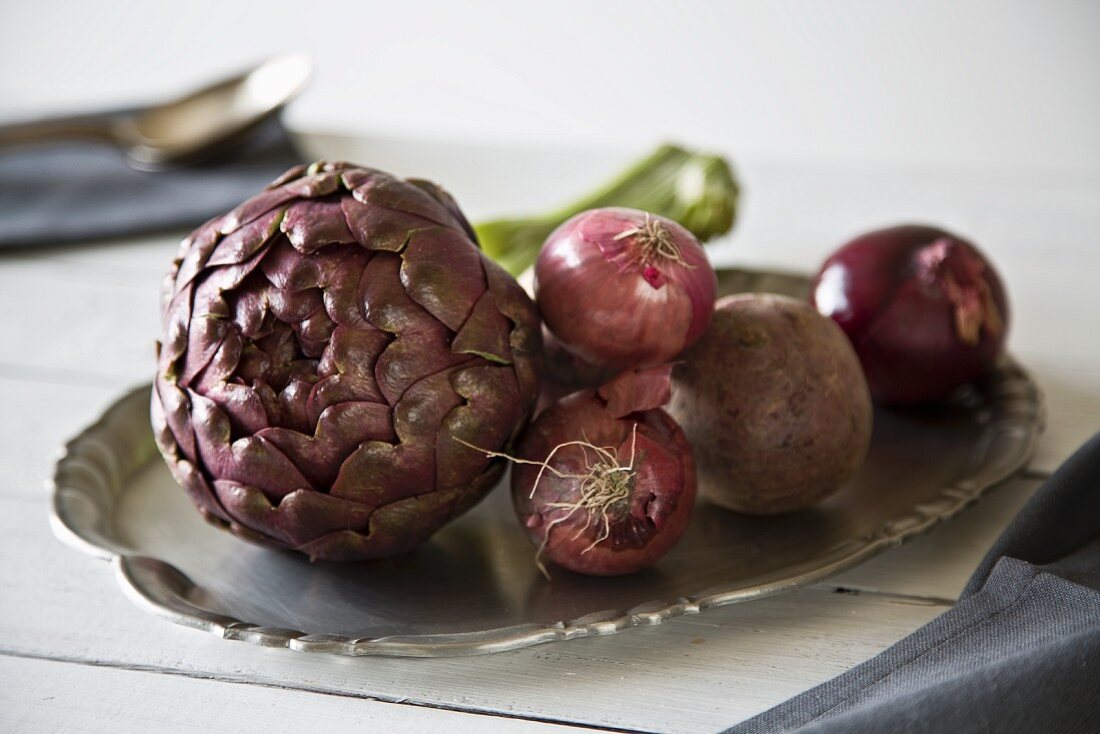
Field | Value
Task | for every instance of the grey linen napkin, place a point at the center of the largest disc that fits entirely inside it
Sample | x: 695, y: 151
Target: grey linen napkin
x: 1020, y: 652
x: 60, y: 193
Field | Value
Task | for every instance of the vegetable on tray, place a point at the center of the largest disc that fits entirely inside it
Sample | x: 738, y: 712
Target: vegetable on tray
x: 924, y: 309
x: 695, y: 189
x: 343, y: 371
x: 624, y: 288
x: 774, y: 404
x: 330, y: 347
x: 604, y: 480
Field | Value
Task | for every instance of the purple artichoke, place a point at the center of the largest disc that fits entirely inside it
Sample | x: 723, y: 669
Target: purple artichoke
x: 330, y: 348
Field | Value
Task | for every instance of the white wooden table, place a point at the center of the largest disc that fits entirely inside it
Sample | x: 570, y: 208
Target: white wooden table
x: 77, y: 326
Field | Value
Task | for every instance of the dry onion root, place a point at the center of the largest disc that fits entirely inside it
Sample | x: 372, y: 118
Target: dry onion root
x: 604, y: 481
x: 604, y: 490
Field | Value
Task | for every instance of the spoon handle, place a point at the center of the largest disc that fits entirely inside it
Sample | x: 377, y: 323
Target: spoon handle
x: 52, y: 129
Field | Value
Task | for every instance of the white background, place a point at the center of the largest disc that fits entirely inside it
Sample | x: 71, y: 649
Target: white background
x: 1003, y: 86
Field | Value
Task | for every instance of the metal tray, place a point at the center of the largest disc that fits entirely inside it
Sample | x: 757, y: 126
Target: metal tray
x: 475, y: 588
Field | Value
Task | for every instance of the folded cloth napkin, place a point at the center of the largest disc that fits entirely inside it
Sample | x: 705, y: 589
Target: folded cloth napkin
x: 58, y: 193
x: 1020, y: 652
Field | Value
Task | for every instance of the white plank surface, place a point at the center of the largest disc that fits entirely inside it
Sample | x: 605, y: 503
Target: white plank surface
x: 78, y: 325
x: 1072, y: 393
x: 938, y: 565
x: 53, y: 696
x: 39, y: 416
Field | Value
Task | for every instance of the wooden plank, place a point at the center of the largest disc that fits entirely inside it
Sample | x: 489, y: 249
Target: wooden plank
x: 938, y: 565
x: 692, y: 674
x: 789, y: 208
x: 38, y: 418
x: 132, y: 260
x: 1072, y: 394
x: 123, y: 260
x: 71, y: 323
x: 49, y: 696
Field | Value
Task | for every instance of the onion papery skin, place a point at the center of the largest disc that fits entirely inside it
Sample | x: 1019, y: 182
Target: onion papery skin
x: 643, y: 528
x: 924, y: 309
x: 564, y: 373
x: 614, y: 303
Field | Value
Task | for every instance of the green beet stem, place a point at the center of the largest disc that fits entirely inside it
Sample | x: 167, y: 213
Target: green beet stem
x: 697, y: 190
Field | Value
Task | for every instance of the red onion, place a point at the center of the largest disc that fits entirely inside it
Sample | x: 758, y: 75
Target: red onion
x: 564, y: 372
x: 605, y: 481
x: 624, y: 288
x: 924, y: 309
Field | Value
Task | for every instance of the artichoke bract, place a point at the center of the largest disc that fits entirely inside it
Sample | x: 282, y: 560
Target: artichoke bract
x: 333, y: 348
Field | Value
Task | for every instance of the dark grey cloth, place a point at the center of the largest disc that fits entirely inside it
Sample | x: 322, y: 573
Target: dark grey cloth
x: 1020, y: 652
x: 59, y: 193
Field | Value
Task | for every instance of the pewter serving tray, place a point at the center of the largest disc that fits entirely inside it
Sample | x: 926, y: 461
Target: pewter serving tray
x: 475, y: 588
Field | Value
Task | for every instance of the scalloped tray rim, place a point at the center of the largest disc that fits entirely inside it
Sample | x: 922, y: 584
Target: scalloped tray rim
x: 148, y: 582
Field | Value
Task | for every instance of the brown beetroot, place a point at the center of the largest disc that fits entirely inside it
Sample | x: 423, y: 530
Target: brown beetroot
x: 774, y: 404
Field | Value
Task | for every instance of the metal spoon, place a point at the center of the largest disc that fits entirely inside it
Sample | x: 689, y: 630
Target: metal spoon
x: 186, y: 129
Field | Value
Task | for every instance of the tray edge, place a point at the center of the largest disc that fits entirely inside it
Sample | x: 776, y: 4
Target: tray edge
x: 156, y: 586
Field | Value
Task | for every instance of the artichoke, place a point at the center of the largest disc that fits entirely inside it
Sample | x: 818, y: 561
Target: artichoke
x: 333, y: 349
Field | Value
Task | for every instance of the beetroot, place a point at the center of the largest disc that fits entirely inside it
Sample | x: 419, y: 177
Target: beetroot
x: 774, y: 403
